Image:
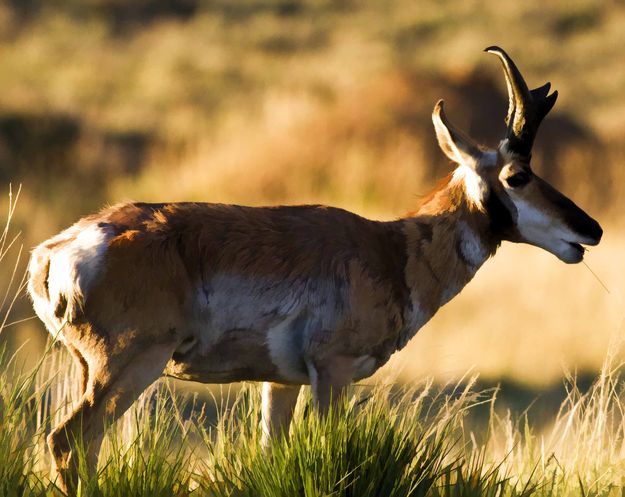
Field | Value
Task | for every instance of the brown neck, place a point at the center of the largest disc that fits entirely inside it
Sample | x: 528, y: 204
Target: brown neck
x: 447, y: 241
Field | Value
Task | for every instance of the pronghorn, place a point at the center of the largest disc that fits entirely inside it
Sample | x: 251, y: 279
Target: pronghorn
x: 288, y: 295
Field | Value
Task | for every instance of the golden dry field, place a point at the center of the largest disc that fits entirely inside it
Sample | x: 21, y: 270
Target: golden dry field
x: 266, y: 102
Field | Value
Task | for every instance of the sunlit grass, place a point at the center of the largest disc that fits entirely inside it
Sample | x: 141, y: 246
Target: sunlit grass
x: 253, y: 105
x: 381, y: 440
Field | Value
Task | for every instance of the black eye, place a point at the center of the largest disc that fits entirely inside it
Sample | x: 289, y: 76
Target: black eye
x: 519, y: 179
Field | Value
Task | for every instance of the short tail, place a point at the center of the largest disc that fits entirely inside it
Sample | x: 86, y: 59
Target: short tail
x: 61, y: 272
x: 51, y: 309
x: 38, y: 269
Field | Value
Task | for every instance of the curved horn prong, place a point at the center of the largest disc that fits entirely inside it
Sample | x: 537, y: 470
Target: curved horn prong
x: 518, y: 92
x: 526, y: 108
x: 546, y: 103
x: 541, y: 91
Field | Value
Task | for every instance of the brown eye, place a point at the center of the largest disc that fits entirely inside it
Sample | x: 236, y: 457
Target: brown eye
x: 519, y: 179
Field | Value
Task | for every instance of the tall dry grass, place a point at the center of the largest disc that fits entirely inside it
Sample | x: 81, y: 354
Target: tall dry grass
x: 382, y: 440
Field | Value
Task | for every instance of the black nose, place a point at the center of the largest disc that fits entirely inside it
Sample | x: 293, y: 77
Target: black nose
x: 589, y: 228
x: 596, y: 230
x: 584, y: 225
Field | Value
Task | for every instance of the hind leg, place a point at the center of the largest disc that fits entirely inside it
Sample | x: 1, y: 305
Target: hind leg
x: 83, y: 367
x: 114, y: 383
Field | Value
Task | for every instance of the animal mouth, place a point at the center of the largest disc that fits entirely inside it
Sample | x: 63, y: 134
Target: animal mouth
x: 571, y: 252
x: 578, y: 247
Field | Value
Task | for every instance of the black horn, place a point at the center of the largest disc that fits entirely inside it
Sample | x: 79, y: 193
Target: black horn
x: 527, y: 108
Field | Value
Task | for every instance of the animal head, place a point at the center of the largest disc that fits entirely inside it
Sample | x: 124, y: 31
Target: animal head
x: 522, y: 206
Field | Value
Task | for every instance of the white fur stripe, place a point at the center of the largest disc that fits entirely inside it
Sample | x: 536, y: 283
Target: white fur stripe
x: 473, y: 250
x: 474, y: 186
x: 75, y: 265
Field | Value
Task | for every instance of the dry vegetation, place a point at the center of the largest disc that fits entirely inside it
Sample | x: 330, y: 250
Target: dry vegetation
x: 278, y: 101
x: 284, y: 101
x: 418, y: 440
x: 273, y: 101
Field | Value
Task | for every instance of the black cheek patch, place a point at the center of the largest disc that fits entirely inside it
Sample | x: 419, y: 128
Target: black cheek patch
x: 500, y: 212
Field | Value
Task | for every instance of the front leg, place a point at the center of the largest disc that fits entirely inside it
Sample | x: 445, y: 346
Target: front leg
x: 328, y: 378
x: 277, y: 409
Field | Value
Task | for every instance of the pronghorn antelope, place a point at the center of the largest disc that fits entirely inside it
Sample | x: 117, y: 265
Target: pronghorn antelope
x: 288, y: 295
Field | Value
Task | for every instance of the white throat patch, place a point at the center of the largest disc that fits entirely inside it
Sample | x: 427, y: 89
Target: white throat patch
x: 473, y: 250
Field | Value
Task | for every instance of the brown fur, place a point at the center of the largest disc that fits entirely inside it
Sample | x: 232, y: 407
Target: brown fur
x: 220, y: 293
x: 358, y: 285
x: 287, y: 295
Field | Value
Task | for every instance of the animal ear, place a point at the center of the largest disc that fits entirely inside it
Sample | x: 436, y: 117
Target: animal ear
x: 456, y: 145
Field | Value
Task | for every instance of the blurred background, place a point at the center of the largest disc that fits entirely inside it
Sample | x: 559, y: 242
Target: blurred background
x: 283, y: 101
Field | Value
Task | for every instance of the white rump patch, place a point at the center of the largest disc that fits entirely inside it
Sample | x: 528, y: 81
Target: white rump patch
x: 75, y: 265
